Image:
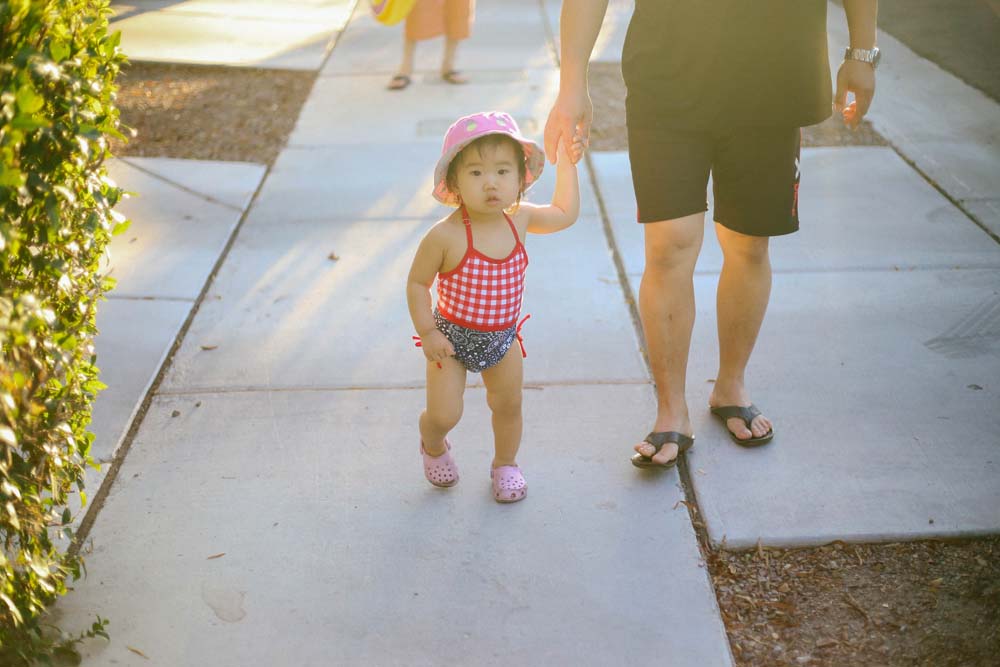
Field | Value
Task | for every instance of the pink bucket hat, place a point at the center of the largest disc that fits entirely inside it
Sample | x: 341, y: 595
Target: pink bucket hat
x: 467, y: 129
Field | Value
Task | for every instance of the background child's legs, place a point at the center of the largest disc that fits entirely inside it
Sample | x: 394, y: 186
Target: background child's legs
x: 445, y: 387
x: 503, y: 395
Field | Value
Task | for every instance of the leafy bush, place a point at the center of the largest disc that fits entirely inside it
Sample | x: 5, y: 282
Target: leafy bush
x: 57, y: 72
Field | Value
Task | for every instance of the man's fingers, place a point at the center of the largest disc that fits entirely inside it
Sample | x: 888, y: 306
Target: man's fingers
x: 551, y: 136
x: 583, y: 127
x: 863, y: 100
x: 840, y: 97
x: 556, y: 127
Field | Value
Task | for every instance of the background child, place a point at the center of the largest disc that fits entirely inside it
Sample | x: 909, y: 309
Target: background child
x: 479, y: 260
x: 427, y: 20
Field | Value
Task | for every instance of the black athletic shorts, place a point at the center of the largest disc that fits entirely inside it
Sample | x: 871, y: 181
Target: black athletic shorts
x: 755, y: 176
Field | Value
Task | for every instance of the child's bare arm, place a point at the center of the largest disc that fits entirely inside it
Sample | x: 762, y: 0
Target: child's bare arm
x: 426, y: 263
x: 565, y: 206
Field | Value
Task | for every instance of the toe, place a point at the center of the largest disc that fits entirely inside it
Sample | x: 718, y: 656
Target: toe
x: 760, y: 427
x: 667, y: 454
x: 739, y: 428
x: 645, y: 449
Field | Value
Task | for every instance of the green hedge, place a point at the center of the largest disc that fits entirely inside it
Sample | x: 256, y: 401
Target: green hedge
x: 57, y: 89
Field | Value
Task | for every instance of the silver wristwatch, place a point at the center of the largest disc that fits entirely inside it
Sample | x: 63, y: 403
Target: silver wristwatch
x: 870, y: 56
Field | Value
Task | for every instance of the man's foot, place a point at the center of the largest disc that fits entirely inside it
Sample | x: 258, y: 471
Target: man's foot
x: 759, y: 426
x: 659, y: 440
x: 669, y: 450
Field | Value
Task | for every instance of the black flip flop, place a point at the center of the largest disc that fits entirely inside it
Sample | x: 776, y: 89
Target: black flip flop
x: 398, y: 82
x: 747, y: 414
x: 657, y: 440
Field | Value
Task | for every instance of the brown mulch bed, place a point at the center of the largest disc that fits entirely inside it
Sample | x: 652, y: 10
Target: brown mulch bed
x: 607, y: 90
x: 931, y: 603
x: 209, y: 112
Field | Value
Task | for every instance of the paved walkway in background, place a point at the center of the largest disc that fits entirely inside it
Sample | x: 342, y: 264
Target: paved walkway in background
x: 271, y: 508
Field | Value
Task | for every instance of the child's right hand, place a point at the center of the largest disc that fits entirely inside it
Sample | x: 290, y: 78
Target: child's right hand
x: 436, y: 346
x: 574, y: 151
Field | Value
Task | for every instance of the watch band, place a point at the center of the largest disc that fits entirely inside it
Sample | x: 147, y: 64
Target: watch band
x: 870, y: 56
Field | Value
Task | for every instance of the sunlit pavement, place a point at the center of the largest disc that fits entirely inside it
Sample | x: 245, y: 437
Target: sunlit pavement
x: 282, y: 435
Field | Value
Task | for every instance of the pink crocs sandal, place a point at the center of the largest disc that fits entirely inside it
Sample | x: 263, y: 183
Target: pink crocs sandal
x: 440, y: 470
x: 508, y: 484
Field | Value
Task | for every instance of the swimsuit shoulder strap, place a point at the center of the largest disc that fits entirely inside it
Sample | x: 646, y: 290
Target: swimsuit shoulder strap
x: 512, y: 227
x: 468, y: 226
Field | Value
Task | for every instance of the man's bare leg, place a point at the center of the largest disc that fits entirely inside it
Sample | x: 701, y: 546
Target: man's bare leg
x: 744, y: 290
x: 666, y: 304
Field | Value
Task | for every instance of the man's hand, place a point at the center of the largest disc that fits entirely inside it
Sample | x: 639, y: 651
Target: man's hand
x: 436, y: 346
x: 859, y: 78
x: 569, y: 122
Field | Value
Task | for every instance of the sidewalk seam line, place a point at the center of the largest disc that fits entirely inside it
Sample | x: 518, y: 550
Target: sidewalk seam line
x: 209, y: 198
x: 253, y: 389
x: 135, y: 297
x: 947, y: 195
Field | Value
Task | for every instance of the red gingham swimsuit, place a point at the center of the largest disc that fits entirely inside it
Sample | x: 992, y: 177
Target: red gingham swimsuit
x: 483, y: 293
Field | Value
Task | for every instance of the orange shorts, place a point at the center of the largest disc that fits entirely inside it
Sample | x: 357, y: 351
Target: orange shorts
x: 433, y: 18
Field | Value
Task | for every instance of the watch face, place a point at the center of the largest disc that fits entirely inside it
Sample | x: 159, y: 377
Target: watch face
x: 876, y: 57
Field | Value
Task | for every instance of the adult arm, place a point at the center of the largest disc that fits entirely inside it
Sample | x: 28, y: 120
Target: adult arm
x: 855, y: 76
x: 571, y: 115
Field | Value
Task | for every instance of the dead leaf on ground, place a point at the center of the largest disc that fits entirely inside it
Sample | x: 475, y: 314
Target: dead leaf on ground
x: 216, y: 556
x: 137, y: 652
x: 208, y: 348
x: 333, y: 256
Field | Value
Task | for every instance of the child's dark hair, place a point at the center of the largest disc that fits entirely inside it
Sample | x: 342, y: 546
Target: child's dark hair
x: 492, y: 142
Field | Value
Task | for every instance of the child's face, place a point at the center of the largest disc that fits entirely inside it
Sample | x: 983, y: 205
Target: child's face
x: 488, y: 180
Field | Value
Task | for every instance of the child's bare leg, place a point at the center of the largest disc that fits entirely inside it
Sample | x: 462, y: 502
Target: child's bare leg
x: 448, y: 62
x: 409, y: 49
x: 503, y: 395
x: 445, y: 387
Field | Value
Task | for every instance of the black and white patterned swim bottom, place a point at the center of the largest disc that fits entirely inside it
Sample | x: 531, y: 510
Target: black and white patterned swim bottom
x: 476, y: 350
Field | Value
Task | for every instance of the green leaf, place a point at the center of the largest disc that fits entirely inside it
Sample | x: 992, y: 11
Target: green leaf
x: 14, y: 611
x: 29, y: 123
x: 28, y: 100
x: 121, y: 227
x: 11, y: 178
x: 59, y: 51
x: 67, y: 516
x: 94, y: 386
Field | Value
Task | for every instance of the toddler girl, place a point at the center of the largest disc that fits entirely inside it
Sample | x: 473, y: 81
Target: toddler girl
x: 478, y: 258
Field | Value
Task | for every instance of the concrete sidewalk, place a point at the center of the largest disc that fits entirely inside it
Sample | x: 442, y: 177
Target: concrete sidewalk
x: 272, y: 509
